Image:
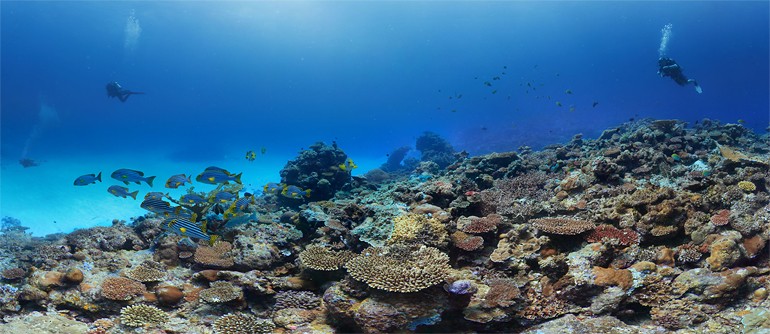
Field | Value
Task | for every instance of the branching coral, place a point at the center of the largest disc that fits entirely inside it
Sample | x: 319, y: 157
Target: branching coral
x: 239, y: 323
x: 414, y: 228
x: 400, y: 268
x: 317, y: 257
x: 142, y: 315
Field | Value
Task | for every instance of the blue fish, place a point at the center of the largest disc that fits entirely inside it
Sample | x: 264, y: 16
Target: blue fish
x: 217, y: 169
x: 128, y: 175
x: 121, y: 191
x: 272, y: 188
x: 187, y: 228
x: 155, y: 195
x: 223, y: 197
x: 177, y: 180
x: 87, y: 179
x: 216, y: 176
x: 192, y: 199
x: 294, y: 192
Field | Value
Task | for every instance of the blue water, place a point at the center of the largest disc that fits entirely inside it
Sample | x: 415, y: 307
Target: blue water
x: 224, y: 78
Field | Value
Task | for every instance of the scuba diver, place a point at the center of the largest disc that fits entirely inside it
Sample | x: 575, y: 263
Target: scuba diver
x: 667, y: 67
x: 115, y: 90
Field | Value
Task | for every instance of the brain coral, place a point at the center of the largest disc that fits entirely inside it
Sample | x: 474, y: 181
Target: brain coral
x: 418, y: 229
x: 400, y: 268
x: 121, y: 288
x: 564, y: 226
x: 221, y: 292
x: 320, y: 258
x: 239, y: 323
x: 141, y: 315
x: 148, y: 271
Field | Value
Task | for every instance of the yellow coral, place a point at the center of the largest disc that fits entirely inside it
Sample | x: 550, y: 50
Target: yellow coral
x: 414, y: 228
x: 747, y: 186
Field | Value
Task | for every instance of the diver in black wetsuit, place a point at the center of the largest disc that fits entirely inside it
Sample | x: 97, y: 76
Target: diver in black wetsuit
x: 115, y: 90
x: 667, y: 67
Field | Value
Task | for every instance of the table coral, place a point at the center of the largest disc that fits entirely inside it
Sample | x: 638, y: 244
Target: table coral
x: 400, y: 268
x: 317, y: 257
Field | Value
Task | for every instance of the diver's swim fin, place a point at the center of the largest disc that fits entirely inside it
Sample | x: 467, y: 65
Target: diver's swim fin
x: 697, y: 88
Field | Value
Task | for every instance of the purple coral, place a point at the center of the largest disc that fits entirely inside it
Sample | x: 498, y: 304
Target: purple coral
x: 460, y: 287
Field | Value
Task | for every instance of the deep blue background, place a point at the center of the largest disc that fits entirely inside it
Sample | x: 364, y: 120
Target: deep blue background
x: 228, y: 77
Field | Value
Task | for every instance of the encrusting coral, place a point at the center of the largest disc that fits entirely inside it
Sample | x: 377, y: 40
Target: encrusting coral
x: 563, y: 226
x: 221, y: 292
x: 121, y: 288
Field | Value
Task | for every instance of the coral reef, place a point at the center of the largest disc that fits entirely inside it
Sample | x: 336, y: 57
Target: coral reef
x: 652, y: 227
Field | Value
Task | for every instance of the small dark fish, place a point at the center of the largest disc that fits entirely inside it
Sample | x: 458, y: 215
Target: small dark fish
x: 122, y: 192
x: 488, y: 84
x: 558, y: 104
x: 568, y: 91
x: 496, y: 78
x: 177, y: 180
x: 26, y: 163
x: 263, y: 150
x: 251, y: 155
x: 593, y: 105
x: 88, y: 179
x: 128, y: 175
x: 218, y: 209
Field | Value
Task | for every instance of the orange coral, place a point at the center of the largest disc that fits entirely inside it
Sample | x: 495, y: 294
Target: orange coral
x: 613, y: 277
x: 610, y: 235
